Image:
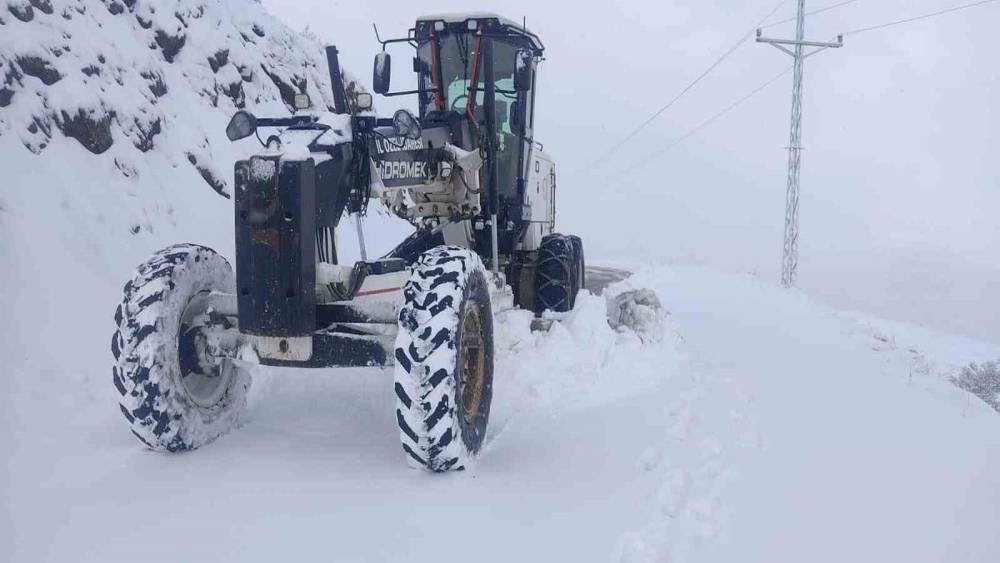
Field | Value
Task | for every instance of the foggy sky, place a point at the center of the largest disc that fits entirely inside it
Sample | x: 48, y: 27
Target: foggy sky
x: 900, y: 177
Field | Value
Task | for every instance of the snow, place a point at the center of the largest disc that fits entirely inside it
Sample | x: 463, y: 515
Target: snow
x: 758, y: 425
x: 762, y: 426
x: 294, y: 143
x: 262, y: 170
x: 459, y: 17
x: 833, y: 448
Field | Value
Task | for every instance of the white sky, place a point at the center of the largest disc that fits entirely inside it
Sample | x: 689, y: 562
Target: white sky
x: 900, y: 180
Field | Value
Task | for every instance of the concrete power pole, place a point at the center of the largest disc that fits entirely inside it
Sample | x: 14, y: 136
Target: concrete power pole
x: 790, y: 261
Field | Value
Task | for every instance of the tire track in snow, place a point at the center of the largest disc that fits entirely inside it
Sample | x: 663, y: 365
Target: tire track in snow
x: 706, y: 428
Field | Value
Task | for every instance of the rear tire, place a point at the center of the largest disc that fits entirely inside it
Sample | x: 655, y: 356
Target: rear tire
x: 580, y: 265
x: 173, y: 398
x: 558, y: 274
x: 444, y: 360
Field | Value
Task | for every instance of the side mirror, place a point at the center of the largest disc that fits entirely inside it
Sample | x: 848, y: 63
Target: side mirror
x: 516, y: 123
x: 241, y: 126
x: 522, y: 70
x: 380, y: 77
x: 405, y: 125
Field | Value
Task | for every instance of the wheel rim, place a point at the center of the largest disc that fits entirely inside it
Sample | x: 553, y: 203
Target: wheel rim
x: 472, y: 363
x: 204, y: 375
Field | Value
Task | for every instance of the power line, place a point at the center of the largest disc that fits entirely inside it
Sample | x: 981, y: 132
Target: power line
x: 687, y: 89
x: 698, y: 128
x: 915, y: 18
x: 812, y: 13
x: 743, y: 39
x: 790, y: 258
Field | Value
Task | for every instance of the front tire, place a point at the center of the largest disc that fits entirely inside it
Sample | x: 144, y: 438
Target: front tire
x: 444, y: 360
x: 174, y: 396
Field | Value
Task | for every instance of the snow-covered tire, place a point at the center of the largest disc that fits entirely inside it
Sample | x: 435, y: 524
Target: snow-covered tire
x: 444, y: 360
x: 555, y: 275
x: 171, y: 402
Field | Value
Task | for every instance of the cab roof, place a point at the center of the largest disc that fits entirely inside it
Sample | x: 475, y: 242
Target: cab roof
x: 492, y: 22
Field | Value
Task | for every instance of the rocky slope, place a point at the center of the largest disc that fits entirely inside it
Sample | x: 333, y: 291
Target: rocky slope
x: 124, y: 78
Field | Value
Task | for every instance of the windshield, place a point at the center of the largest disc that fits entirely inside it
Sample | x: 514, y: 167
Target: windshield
x: 456, y: 68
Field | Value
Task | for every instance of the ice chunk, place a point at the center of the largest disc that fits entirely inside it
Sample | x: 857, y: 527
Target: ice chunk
x: 639, y: 310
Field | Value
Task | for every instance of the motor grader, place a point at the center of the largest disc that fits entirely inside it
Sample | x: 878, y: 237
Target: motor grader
x: 465, y: 169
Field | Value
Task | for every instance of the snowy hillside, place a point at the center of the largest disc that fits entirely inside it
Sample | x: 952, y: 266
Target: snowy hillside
x: 119, y: 111
x: 112, y: 74
x: 757, y: 425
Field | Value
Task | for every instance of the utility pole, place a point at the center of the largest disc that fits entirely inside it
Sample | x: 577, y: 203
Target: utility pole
x: 790, y: 260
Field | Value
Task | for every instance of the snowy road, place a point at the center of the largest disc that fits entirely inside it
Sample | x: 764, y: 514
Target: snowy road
x: 768, y: 428
x: 812, y: 435
x: 598, y: 277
